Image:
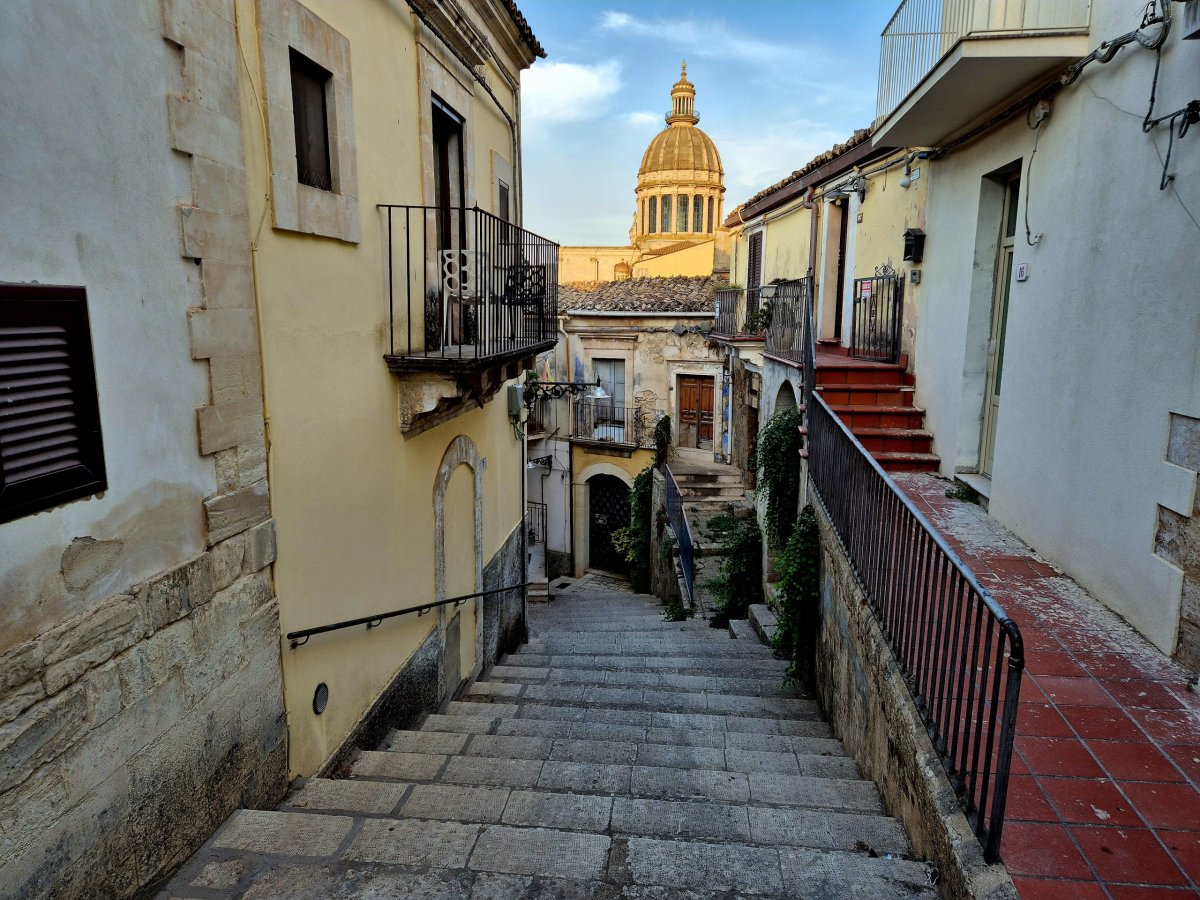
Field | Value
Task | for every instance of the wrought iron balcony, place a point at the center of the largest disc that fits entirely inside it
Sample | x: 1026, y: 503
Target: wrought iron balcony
x: 943, y: 63
x: 467, y: 291
x: 785, y: 334
x: 739, y: 313
x: 605, y: 422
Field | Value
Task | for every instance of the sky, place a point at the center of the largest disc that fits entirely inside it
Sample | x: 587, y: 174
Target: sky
x: 777, y: 82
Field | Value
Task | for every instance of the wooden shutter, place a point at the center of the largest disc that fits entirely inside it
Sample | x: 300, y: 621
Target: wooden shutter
x: 754, y: 262
x: 50, y: 443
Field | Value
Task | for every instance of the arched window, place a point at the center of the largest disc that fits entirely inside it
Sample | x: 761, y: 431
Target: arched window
x: 682, y: 225
x: 698, y: 214
x: 666, y: 213
x: 711, y: 206
x: 652, y: 214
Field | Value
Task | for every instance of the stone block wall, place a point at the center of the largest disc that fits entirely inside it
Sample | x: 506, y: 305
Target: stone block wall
x: 868, y: 704
x: 1178, y: 539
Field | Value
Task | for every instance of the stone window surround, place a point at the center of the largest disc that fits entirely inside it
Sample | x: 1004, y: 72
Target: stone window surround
x: 439, y: 73
x: 284, y: 25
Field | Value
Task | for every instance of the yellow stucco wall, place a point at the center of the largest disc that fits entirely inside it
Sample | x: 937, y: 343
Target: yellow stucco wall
x: 785, y: 245
x: 592, y: 263
x: 695, y: 260
x: 352, y: 497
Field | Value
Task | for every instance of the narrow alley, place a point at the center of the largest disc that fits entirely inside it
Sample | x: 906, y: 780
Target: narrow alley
x: 616, y: 754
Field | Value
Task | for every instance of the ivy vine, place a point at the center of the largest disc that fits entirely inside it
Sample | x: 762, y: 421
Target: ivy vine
x: 662, y: 441
x: 797, y: 595
x: 738, y: 583
x: 777, y: 458
x: 633, y: 541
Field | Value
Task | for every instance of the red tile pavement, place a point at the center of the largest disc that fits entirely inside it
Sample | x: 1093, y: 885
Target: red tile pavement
x: 1103, y: 801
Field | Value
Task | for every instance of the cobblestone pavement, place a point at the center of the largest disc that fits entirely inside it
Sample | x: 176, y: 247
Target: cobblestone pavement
x: 1103, y: 801
x: 616, y: 755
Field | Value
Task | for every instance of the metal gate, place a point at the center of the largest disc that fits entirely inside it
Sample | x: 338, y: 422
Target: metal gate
x: 608, y: 506
x: 875, y: 324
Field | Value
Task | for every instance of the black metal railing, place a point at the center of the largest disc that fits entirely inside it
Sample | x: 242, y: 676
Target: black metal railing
x: 878, y: 309
x: 683, y: 534
x: 959, y: 651
x: 535, y: 518
x: 611, y: 423
x: 300, y: 638
x: 786, y: 333
x: 465, y: 285
x: 738, y: 311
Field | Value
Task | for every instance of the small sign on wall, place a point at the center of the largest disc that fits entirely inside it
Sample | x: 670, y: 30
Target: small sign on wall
x: 1022, y: 271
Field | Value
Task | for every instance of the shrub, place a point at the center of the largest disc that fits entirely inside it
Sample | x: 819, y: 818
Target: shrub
x: 777, y: 456
x: 633, y: 541
x: 739, y: 582
x: 798, y: 593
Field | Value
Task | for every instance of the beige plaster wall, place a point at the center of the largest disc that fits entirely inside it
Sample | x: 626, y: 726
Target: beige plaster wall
x: 694, y: 260
x: 354, y: 504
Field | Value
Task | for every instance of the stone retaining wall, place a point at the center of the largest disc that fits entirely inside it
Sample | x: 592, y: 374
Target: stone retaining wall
x: 862, y: 692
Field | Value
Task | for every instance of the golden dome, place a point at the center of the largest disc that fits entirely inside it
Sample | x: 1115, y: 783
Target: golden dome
x: 681, y: 146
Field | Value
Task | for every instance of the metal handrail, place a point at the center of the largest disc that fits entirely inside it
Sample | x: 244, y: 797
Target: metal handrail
x: 300, y: 638
x: 955, y: 645
x: 683, y: 534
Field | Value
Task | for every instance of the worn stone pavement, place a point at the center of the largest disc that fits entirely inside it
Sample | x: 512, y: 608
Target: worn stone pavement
x: 616, y: 755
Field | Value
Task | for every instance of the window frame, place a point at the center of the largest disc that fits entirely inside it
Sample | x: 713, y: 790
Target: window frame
x: 320, y: 79
x: 67, y: 305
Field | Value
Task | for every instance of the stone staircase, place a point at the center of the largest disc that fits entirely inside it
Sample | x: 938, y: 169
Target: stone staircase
x: 875, y: 400
x: 616, y: 755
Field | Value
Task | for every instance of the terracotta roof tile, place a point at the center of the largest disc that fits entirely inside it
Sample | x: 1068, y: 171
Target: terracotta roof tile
x: 522, y: 24
x: 682, y: 293
x: 859, y: 136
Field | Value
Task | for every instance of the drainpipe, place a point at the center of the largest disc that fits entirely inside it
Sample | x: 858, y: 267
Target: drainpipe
x: 566, y: 337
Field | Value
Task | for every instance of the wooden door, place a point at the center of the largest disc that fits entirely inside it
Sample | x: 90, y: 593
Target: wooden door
x: 696, y: 411
x: 995, y: 352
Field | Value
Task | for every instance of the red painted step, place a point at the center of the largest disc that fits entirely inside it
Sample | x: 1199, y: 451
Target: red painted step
x: 857, y: 417
x: 867, y: 394
x: 898, y: 440
x: 908, y: 462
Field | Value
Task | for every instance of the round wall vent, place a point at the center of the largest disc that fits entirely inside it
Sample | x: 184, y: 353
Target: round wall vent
x: 320, y: 698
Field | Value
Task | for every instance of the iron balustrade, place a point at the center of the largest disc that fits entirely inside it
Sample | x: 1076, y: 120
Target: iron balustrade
x: 876, y: 317
x: 606, y: 422
x: 729, y: 303
x: 738, y: 311
x: 465, y: 286
x: 958, y: 650
x: 683, y: 534
x: 536, y: 522
x: 300, y: 638
x: 922, y: 32
x: 786, y: 332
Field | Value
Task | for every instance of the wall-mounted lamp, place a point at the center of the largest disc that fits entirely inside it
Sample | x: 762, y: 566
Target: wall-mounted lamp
x: 540, y: 462
x: 534, y: 390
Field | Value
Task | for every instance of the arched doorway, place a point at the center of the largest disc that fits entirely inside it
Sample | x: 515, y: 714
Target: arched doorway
x: 785, y: 399
x: 608, y: 510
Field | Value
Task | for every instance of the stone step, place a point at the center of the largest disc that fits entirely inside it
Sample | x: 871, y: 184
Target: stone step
x: 742, y: 630
x: 695, y: 819
x: 501, y: 682
x: 636, y: 698
x: 533, y: 663
x: 489, y: 714
x: 718, y: 644
x: 833, y: 764
x: 652, y: 782
x: 412, y: 856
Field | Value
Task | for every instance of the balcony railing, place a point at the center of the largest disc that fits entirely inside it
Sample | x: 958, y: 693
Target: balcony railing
x: 466, y: 289
x: 535, y: 522
x: 601, y: 421
x: 786, y: 333
x: 876, y: 316
x: 921, y: 32
x: 959, y: 652
x: 738, y: 312
x: 683, y: 533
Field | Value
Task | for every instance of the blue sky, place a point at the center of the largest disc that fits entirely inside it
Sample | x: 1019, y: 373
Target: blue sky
x: 776, y: 83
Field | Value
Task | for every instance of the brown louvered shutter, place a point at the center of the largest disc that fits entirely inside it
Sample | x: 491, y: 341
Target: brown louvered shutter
x: 50, y: 444
x: 754, y: 262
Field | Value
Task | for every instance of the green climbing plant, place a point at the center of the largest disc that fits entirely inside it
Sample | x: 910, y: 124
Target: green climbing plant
x: 797, y: 594
x: 777, y: 456
x: 633, y: 541
x: 738, y: 583
x: 662, y: 441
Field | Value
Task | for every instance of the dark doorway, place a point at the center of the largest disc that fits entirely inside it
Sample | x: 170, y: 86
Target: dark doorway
x: 608, y: 508
x: 696, y: 411
x: 843, y: 209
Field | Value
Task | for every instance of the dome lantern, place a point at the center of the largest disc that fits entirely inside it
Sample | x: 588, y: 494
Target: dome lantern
x: 683, y: 101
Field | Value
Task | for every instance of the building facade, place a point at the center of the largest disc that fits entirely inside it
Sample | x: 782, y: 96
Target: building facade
x: 318, y: 282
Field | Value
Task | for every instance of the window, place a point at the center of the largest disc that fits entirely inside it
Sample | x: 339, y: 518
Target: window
x: 502, y: 210
x: 652, y: 214
x: 666, y: 214
x: 697, y: 213
x: 754, y: 261
x: 711, y: 206
x: 50, y: 447
x: 682, y: 224
x: 611, y: 373
x: 311, y: 115
x: 448, y: 174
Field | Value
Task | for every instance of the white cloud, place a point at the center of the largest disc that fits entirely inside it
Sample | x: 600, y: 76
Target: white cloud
x: 556, y: 92
x: 642, y: 118
x: 713, y: 38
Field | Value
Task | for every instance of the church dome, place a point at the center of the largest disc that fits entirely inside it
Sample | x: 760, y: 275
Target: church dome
x: 681, y: 146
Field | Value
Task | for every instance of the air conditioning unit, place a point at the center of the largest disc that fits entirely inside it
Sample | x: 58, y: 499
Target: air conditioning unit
x: 1191, y: 20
